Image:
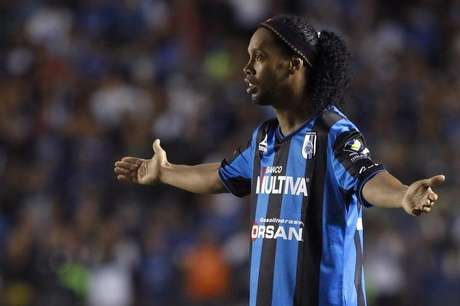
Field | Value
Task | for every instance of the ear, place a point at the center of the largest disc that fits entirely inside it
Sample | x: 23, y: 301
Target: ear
x: 295, y: 64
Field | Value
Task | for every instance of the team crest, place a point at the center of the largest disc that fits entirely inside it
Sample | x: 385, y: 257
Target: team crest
x: 309, y: 145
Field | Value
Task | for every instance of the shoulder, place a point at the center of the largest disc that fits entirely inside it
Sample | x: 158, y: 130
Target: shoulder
x: 343, y: 133
x: 267, y: 127
x: 336, y: 122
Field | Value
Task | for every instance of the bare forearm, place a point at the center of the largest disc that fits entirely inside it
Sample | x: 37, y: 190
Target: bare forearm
x: 384, y: 190
x: 203, y: 178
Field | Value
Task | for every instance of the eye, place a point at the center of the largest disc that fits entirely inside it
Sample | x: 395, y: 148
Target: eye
x: 259, y: 57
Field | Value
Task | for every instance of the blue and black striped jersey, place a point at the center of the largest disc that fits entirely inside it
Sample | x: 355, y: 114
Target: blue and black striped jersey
x: 306, y: 206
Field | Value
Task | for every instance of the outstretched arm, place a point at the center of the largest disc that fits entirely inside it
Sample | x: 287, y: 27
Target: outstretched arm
x: 384, y: 190
x: 202, y: 178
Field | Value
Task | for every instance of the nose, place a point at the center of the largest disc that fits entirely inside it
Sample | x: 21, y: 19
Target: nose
x: 248, y: 69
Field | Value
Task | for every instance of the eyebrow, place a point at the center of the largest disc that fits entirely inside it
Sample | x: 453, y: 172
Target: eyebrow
x: 255, y: 50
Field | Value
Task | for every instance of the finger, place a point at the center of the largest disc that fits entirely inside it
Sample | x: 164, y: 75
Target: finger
x: 433, y: 196
x: 123, y: 178
x: 127, y: 178
x: 126, y: 165
x: 123, y: 171
x: 157, y: 148
x: 123, y: 164
x: 132, y: 160
x: 427, y: 203
x: 156, y: 145
x: 436, y: 180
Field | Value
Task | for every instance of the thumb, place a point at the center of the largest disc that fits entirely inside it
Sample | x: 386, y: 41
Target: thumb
x: 158, y: 149
x: 436, y: 180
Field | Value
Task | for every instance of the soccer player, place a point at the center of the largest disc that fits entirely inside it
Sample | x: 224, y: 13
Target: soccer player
x: 308, y: 171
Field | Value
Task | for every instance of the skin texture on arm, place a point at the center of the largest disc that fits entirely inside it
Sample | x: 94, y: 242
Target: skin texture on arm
x: 384, y: 190
x: 202, y: 178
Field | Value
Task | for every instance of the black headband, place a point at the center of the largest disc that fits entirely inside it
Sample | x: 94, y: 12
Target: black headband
x: 289, y: 36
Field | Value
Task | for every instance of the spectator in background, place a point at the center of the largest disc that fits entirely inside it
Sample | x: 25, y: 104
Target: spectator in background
x: 207, y: 274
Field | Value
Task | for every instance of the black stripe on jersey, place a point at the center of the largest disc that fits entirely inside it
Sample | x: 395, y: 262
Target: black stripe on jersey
x: 261, y: 133
x: 359, y: 270
x: 309, y: 254
x: 267, y: 264
x: 239, y: 186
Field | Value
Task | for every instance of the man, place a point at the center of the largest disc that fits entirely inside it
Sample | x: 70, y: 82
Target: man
x: 308, y: 171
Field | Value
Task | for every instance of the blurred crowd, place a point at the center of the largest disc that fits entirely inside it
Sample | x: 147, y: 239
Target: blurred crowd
x: 85, y: 82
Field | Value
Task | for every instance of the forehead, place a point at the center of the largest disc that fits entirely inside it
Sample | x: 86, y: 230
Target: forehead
x: 262, y: 39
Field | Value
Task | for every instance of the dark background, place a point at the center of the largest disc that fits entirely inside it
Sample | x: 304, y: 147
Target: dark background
x: 83, y: 83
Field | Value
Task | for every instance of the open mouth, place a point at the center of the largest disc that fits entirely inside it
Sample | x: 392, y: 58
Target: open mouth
x: 252, y: 88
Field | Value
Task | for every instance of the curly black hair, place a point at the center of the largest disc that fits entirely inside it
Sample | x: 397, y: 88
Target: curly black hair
x: 325, y: 53
x: 330, y: 74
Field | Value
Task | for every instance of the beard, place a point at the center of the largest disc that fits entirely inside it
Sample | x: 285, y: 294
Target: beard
x: 266, y: 97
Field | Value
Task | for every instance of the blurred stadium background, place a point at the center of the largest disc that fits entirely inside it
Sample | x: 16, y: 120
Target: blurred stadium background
x: 83, y: 83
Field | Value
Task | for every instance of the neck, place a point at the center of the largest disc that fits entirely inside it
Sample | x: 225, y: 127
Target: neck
x: 292, y: 116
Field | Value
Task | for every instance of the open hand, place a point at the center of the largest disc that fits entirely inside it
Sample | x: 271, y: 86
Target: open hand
x: 420, y: 197
x: 142, y: 171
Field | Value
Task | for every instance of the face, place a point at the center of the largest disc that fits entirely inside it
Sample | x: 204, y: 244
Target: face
x: 267, y: 71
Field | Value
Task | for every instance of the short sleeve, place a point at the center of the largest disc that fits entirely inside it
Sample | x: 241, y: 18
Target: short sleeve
x: 236, y: 173
x: 352, y: 162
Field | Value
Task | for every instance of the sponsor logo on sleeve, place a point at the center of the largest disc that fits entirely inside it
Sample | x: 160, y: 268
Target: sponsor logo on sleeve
x: 356, y: 150
x: 356, y: 146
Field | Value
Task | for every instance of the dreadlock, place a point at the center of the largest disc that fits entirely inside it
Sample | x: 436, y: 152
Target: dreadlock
x: 330, y: 73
